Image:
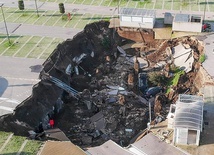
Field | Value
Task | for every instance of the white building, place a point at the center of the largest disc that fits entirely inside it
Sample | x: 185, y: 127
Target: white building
x: 138, y: 18
x: 187, y: 120
x: 187, y: 23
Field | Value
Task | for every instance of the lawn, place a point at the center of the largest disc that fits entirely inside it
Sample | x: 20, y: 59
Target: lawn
x: 3, y: 137
x: 13, y: 145
x: 50, y: 48
x: 158, y: 4
x: 31, y: 147
x: 28, y: 46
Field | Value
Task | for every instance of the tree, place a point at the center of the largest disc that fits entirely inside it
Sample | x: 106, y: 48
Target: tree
x: 21, y: 5
x: 61, y: 8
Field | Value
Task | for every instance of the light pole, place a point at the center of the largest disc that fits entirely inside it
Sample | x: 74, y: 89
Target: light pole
x: 1, y: 5
x: 205, y: 7
x: 36, y: 8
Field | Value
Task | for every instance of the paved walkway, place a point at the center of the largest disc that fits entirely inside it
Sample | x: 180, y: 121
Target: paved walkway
x: 209, y: 52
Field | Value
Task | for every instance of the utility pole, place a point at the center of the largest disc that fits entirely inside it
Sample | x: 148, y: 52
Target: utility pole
x: 36, y: 8
x: 1, y: 5
x: 205, y: 7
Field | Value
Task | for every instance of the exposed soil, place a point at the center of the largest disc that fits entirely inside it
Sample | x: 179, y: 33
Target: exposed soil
x: 118, y: 116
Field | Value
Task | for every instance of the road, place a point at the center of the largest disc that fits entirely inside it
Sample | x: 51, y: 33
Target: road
x: 18, y: 75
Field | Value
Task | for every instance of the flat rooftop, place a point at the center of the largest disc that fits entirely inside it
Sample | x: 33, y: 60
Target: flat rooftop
x: 137, y: 12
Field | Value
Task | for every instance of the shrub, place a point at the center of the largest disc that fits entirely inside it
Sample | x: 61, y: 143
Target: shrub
x: 61, y: 8
x: 157, y: 79
x: 202, y: 58
x: 21, y: 5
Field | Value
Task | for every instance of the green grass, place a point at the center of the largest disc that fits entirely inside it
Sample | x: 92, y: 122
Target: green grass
x: 51, y: 48
x: 123, y: 3
x: 40, y: 47
x: 106, y: 2
x: 132, y: 4
x: 13, y: 145
x: 149, y: 5
x: 31, y: 147
x: 194, y: 7
x: 158, y: 4
x: 79, y: 1
x: 70, y: 1
x: 3, y: 137
x: 88, y: 2
x: 85, y: 19
x: 167, y: 5
x: 28, y: 46
x: 174, y: 80
x: 95, y: 18
x: 176, y: 5
x: 202, y: 58
x: 96, y: 2
x: 141, y: 4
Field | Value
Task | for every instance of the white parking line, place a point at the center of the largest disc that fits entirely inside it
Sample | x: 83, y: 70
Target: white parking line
x: 9, y: 100
x: 23, y: 79
x: 34, y: 47
x: 46, y: 48
x: 49, y: 18
x: 78, y: 20
x: 39, y: 18
x: 22, y: 46
x: 11, y: 45
x: 6, y: 108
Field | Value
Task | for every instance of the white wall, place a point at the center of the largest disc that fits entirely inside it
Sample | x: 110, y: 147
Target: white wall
x: 186, y: 26
x: 180, y: 136
x: 137, y: 22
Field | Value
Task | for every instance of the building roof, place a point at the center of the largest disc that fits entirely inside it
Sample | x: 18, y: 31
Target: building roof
x: 62, y: 148
x: 182, y: 18
x: 137, y: 12
x: 108, y: 148
x: 56, y: 133
x: 152, y: 145
x: 189, y: 112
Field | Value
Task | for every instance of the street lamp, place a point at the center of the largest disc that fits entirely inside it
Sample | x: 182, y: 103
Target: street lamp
x: 1, y: 5
x: 205, y: 7
x: 36, y: 8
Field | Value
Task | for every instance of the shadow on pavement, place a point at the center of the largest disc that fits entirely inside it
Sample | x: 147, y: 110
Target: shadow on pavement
x: 3, y: 85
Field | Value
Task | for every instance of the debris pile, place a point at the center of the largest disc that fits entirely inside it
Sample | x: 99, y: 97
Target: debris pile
x: 94, y: 88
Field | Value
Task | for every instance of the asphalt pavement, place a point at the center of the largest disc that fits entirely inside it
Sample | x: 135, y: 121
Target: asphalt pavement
x: 17, y: 77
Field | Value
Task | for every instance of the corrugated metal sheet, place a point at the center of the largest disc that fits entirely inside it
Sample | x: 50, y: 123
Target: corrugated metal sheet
x: 189, y: 112
x: 137, y: 12
x: 152, y: 145
x: 182, y: 18
x: 108, y: 148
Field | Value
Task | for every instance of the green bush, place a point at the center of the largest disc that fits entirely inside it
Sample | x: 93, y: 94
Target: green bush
x: 202, y: 58
x: 21, y: 5
x: 157, y: 79
x: 61, y: 8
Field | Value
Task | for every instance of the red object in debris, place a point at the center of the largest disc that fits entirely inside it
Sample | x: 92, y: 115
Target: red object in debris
x: 204, y: 26
x: 51, y: 122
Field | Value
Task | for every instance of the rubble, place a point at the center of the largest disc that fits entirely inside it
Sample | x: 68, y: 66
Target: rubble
x: 93, y: 84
